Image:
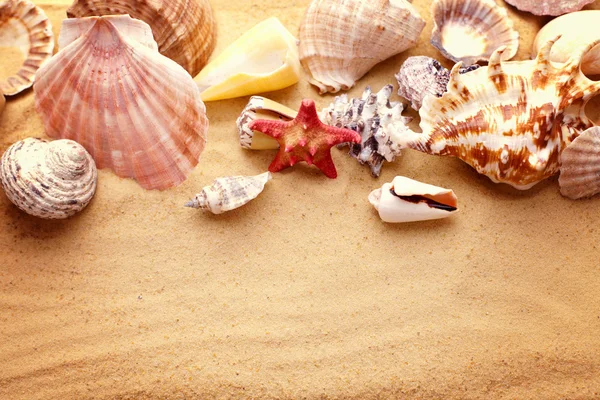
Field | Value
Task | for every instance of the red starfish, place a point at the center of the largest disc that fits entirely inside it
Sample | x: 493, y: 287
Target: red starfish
x: 305, y: 138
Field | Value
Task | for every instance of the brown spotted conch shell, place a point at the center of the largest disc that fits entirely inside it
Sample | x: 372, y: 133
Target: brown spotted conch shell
x: 26, y: 27
x: 341, y: 40
x: 52, y: 180
x: 185, y: 30
x: 470, y: 30
x: 580, y: 169
x: 576, y: 29
x: 136, y: 111
x: 407, y: 200
x: 510, y: 120
x: 229, y: 193
x: 549, y: 7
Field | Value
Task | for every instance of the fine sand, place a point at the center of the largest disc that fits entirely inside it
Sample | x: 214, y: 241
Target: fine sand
x: 303, y: 293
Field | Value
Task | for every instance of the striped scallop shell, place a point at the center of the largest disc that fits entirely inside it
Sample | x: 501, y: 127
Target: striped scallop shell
x: 52, y: 180
x: 509, y: 120
x: 549, y: 7
x: 470, y: 30
x: 580, y: 169
x: 26, y: 27
x: 136, y: 111
x: 185, y: 30
x: 341, y: 40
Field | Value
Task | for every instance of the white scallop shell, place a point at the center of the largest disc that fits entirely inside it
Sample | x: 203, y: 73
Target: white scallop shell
x: 407, y: 200
x: 51, y: 180
x: 580, y: 169
x: 229, y: 193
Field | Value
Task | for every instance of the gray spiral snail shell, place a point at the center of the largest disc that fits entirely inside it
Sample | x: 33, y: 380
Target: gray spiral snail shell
x: 52, y: 180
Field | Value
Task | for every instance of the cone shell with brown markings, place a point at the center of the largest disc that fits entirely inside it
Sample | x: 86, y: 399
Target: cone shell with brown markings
x: 470, y: 30
x: 26, y: 27
x: 185, y: 30
x: 136, y: 111
x: 341, y: 40
x: 509, y: 120
x: 580, y: 169
x: 549, y: 7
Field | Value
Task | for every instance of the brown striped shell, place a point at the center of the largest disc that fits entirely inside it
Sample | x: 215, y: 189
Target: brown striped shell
x: 185, y: 30
x: 136, y: 111
x: 509, y: 120
x: 52, y: 180
x: 549, y: 7
x: 26, y: 27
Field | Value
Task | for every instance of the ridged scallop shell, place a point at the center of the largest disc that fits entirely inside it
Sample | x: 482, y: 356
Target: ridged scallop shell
x: 51, y: 180
x: 228, y: 193
x: 136, y: 111
x: 376, y: 119
x: 185, y: 30
x: 26, y: 27
x: 509, y: 120
x: 549, y: 7
x: 341, y: 40
x: 470, y: 30
x: 580, y: 169
x: 261, y: 108
x: 420, y: 76
x: 407, y: 200
x: 576, y: 29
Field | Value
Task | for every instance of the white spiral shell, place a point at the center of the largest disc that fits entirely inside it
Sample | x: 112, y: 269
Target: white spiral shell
x: 52, y: 180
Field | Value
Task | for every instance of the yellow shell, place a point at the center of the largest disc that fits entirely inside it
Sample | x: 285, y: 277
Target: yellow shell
x: 509, y: 120
x: 262, y: 60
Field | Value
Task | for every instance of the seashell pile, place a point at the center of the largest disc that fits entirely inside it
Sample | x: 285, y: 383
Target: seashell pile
x: 549, y: 7
x: 580, y: 169
x: 420, y: 76
x: 26, y: 27
x: 145, y: 121
x: 576, y: 29
x: 470, y: 30
x: 262, y: 60
x: 229, y: 193
x: 341, y: 40
x: 407, y: 200
x: 377, y: 121
x: 185, y: 30
x: 51, y: 180
x: 510, y: 120
x: 261, y: 108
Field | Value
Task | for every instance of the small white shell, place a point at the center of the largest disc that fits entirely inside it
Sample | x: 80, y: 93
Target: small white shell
x: 229, y: 193
x: 580, y: 169
x: 51, y: 180
x: 407, y: 200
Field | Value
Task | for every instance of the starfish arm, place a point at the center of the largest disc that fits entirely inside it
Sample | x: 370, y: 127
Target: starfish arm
x: 280, y: 162
x: 269, y: 127
x: 342, y: 135
x: 324, y: 162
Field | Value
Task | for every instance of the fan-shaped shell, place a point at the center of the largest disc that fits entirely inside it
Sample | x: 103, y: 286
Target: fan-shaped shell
x: 470, y: 30
x: 229, y: 193
x: 580, y: 169
x: 136, y: 111
x: 51, y: 180
x: 185, y: 30
x: 26, y: 27
x: 341, y: 40
x: 549, y: 7
x: 509, y: 120
x: 576, y: 29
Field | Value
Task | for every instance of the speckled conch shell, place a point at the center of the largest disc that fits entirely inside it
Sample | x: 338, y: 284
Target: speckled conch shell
x: 580, y: 169
x: 577, y: 29
x: 549, y: 7
x: 228, y: 193
x: 341, y: 40
x: 261, y: 108
x: 262, y: 60
x: 509, y: 120
x: 26, y: 27
x: 407, y: 200
x: 185, y: 30
x: 377, y: 121
x: 137, y: 112
x: 420, y: 76
x: 470, y: 30
x: 51, y: 180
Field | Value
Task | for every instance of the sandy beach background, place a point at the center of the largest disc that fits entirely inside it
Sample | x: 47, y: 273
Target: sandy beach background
x: 303, y: 293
